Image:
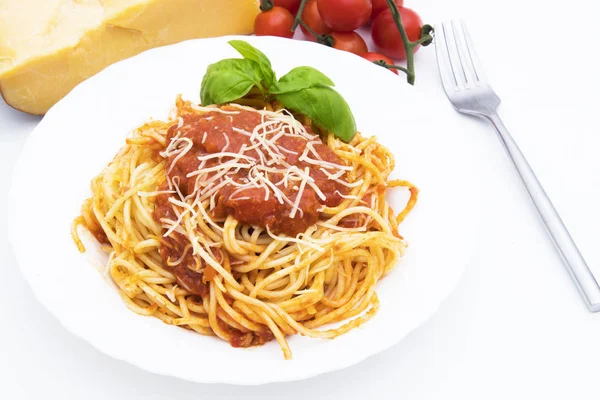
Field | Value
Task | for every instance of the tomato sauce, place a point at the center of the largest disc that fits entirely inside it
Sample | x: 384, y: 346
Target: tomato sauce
x: 218, y: 132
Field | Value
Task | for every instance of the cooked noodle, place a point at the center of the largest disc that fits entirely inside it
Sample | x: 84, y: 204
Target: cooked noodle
x: 260, y: 284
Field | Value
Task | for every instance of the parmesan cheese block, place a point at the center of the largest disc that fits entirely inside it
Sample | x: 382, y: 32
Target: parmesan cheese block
x: 49, y: 46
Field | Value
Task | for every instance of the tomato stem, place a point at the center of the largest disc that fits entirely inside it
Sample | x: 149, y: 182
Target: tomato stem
x: 409, y: 49
x: 327, y: 40
x: 383, y: 64
x: 266, y: 5
x: 422, y: 40
x: 298, y: 18
x: 426, y: 31
x: 409, y: 46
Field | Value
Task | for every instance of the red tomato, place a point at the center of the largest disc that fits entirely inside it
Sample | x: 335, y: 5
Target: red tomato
x: 349, y: 41
x: 291, y: 5
x: 313, y: 19
x: 387, y: 37
x: 345, y: 15
x: 275, y: 22
x: 379, y: 57
x: 380, y: 5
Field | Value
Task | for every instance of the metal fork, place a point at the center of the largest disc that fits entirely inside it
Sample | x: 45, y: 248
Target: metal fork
x: 469, y: 92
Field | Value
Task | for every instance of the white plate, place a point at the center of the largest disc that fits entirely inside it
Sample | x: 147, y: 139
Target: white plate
x: 82, y: 133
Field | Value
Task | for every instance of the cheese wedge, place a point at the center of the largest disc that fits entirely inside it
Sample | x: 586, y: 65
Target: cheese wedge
x: 49, y: 46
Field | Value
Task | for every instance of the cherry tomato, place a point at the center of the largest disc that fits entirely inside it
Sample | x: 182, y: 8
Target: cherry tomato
x: 349, y: 41
x: 387, y: 37
x: 313, y: 19
x: 380, y: 5
x: 371, y: 56
x: 275, y: 22
x: 345, y: 15
x: 291, y: 5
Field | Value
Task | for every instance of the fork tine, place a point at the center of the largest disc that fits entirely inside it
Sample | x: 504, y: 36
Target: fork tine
x: 464, y: 53
x: 443, y: 58
x: 477, y: 68
x: 461, y: 73
x: 453, y: 55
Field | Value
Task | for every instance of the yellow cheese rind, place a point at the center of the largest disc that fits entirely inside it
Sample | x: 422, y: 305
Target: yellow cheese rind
x: 37, y: 71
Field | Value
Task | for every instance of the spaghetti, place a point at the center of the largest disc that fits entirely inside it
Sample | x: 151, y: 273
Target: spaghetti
x: 243, y: 223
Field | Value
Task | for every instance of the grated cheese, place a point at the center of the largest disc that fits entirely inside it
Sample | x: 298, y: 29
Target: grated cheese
x: 262, y: 158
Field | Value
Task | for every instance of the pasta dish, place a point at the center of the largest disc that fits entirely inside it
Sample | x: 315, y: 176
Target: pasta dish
x: 249, y: 224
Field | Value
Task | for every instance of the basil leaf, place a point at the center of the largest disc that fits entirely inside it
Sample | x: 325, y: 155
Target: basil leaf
x: 304, y: 90
x: 300, y: 78
x: 326, y: 107
x: 250, y: 52
x: 228, y: 80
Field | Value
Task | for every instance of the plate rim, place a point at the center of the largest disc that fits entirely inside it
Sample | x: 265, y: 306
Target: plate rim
x: 112, y: 351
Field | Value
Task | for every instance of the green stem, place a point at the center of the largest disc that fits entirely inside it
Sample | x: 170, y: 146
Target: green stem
x: 383, y: 64
x: 327, y: 40
x: 266, y: 5
x: 421, y: 40
x: 305, y: 25
x: 401, y: 68
x: 298, y: 18
x: 408, y: 45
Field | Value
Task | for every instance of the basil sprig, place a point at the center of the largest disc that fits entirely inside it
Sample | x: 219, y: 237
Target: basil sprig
x: 300, y: 78
x: 304, y: 90
x: 227, y: 80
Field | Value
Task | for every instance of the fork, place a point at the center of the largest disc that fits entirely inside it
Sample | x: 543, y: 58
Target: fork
x: 470, y: 93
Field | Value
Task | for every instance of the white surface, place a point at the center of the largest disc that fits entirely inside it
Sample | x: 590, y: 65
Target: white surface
x: 67, y: 283
x: 514, y: 327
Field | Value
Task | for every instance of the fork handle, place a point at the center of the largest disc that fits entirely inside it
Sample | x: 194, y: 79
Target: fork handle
x: 576, y: 265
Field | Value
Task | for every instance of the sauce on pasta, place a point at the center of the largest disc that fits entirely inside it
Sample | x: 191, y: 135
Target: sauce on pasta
x: 239, y: 192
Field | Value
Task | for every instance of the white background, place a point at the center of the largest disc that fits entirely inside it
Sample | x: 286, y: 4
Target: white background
x: 514, y: 327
